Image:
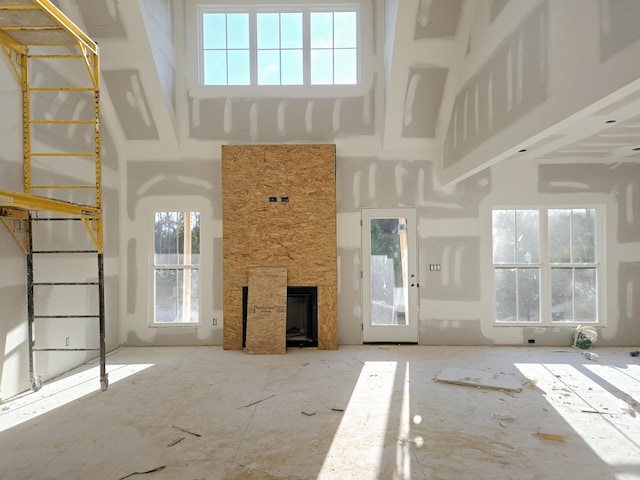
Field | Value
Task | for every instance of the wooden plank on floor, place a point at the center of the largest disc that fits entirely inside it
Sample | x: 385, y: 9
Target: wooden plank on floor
x: 267, y: 311
x: 477, y: 378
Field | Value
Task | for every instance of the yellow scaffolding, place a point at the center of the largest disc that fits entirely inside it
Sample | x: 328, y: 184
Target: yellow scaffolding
x: 33, y: 31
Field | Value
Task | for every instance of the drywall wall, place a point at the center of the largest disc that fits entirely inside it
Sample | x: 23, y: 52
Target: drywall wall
x: 527, y: 73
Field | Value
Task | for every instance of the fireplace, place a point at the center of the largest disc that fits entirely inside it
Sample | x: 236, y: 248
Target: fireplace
x: 302, y: 316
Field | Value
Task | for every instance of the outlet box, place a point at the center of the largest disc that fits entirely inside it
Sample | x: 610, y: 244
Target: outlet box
x: 531, y: 341
x: 215, y: 322
x: 67, y: 342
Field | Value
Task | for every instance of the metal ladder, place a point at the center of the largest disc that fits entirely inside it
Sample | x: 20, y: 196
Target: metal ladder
x: 33, y: 316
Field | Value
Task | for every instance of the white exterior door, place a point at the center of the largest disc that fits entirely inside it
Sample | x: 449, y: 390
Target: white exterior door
x: 390, y: 275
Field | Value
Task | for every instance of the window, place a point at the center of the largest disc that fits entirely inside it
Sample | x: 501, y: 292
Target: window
x: 176, y: 263
x: 301, y: 45
x: 546, y: 265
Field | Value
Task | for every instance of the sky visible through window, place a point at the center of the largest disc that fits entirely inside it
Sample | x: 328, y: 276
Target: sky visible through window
x: 276, y: 53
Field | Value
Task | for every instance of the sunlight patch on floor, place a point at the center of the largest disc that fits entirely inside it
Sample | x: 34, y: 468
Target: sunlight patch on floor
x: 363, y: 428
x: 592, y: 409
x: 63, y: 391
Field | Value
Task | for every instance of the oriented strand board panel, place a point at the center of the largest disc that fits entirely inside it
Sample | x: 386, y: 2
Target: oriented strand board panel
x: 327, y: 318
x: 299, y: 233
x: 267, y: 311
x: 275, y: 234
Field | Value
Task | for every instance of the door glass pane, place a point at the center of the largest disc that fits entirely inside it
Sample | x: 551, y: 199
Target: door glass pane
x: 389, y: 272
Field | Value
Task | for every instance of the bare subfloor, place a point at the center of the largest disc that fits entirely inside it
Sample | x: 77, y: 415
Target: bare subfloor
x: 362, y: 412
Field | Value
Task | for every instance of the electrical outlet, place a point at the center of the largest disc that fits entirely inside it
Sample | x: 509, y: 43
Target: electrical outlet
x: 215, y: 322
x: 67, y: 342
x: 531, y: 341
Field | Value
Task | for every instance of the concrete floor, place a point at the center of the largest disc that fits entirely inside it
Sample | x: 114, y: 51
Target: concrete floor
x: 362, y: 412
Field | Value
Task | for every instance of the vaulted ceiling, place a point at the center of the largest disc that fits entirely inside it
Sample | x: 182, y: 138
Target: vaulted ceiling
x: 454, y: 81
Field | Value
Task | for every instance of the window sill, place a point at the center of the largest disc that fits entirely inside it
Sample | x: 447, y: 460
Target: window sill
x: 175, y: 325
x: 277, y: 91
x: 547, y: 325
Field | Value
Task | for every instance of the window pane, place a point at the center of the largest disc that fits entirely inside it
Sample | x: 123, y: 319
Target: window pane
x: 214, y: 30
x: 269, y: 67
x: 291, y: 34
x: 168, y: 238
x: 321, y: 30
x: 193, y: 309
x: 176, y: 294
x: 528, y: 295
x: 504, y: 236
x: 321, y: 67
x: 239, y: 73
x: 292, y: 70
x: 346, y: 67
x: 562, y: 294
x: 559, y: 236
x: 527, y: 236
x: 169, y: 242
x: 195, y: 239
x: 585, y: 295
x: 583, y: 235
x: 215, y: 67
x: 268, y: 30
x: 238, y: 30
x: 166, y: 295
x: 505, y: 285
x: 345, y: 30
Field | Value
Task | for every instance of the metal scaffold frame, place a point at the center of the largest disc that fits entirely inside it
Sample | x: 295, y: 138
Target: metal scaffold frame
x: 32, y: 31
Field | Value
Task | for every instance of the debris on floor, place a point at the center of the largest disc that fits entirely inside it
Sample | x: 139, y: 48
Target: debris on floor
x: 153, y: 470
x: 257, y: 401
x: 175, y: 442
x: 550, y: 436
x: 476, y: 378
x: 186, y: 431
x: 336, y: 409
x: 308, y: 413
x: 590, y: 355
x: 635, y: 353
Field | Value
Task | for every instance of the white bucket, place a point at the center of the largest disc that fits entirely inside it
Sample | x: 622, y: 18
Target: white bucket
x: 584, y: 337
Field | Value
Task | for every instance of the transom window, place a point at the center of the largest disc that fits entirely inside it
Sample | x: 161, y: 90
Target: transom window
x: 297, y: 46
x: 176, y: 264
x: 547, y: 265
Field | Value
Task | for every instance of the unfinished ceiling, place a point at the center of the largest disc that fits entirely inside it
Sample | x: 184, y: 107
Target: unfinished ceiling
x: 446, y: 76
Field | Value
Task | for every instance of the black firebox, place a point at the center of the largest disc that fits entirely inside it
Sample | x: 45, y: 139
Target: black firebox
x: 302, y: 316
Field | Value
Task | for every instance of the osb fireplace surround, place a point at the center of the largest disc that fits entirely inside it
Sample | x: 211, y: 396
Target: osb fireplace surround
x: 299, y: 234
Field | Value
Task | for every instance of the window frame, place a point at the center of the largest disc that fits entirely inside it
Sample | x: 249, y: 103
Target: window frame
x: 184, y: 267
x: 545, y: 267
x: 194, y: 50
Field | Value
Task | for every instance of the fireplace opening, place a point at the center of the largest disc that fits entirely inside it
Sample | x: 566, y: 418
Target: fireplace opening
x: 302, y: 316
